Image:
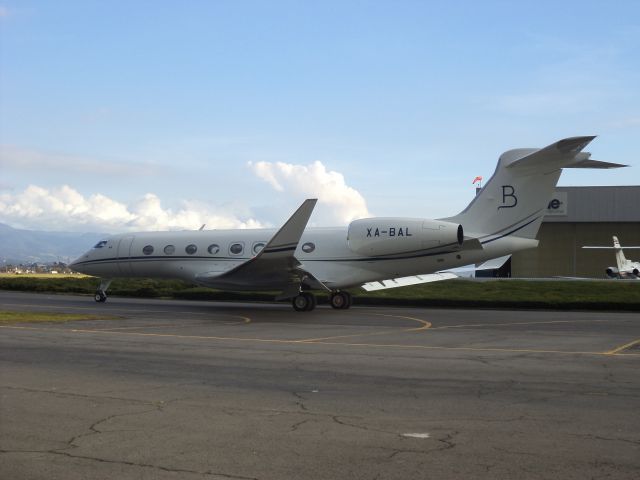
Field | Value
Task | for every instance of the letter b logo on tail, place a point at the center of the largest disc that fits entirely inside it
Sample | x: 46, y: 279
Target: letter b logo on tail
x: 509, y: 199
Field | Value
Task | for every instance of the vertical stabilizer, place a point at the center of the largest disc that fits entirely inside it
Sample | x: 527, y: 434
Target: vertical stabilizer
x: 515, y: 199
x: 620, y: 258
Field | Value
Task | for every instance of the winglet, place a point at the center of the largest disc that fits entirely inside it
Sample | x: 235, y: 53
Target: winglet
x: 276, y: 264
x: 287, y: 238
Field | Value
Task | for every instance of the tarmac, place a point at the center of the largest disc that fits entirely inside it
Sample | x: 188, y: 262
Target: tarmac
x: 189, y: 390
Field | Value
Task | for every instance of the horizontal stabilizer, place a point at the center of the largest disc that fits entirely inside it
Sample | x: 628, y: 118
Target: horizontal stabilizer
x: 595, y: 164
x: 566, y: 153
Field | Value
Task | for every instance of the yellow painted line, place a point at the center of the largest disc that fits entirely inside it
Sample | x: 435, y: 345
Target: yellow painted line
x: 474, y: 349
x: 424, y: 323
x: 341, y: 344
x: 424, y: 326
x: 622, y: 348
x: 544, y: 322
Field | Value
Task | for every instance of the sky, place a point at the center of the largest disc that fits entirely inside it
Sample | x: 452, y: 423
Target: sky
x: 152, y: 115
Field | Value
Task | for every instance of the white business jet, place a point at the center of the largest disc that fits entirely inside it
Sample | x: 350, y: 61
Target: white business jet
x: 626, y: 268
x: 374, y: 253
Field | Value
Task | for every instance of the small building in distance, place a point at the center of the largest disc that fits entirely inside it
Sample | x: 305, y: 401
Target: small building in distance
x: 579, y: 216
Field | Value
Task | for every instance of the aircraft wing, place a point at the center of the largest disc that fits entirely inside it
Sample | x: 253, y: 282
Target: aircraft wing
x: 275, y: 267
x: 614, y: 248
x: 406, y: 281
x: 434, y: 277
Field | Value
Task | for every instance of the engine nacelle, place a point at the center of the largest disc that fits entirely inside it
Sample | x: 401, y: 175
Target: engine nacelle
x: 389, y: 236
x: 612, y: 272
x: 636, y: 272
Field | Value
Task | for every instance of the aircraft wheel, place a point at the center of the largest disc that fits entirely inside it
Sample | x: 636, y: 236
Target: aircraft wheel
x: 100, y: 297
x: 349, y: 300
x: 340, y: 300
x: 304, y: 302
x: 312, y: 301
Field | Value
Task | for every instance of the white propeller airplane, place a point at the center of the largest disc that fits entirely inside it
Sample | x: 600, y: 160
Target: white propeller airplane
x: 374, y: 253
x: 626, y: 268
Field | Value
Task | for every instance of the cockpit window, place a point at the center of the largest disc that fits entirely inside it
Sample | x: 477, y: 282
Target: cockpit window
x: 100, y: 244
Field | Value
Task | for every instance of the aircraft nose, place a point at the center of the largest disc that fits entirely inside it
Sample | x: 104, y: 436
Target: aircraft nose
x: 75, y: 265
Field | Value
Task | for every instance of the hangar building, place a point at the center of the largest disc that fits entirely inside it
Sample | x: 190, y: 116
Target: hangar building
x: 579, y: 216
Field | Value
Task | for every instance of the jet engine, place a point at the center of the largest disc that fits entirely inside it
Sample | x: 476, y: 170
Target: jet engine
x: 612, y: 272
x: 636, y: 272
x: 389, y: 236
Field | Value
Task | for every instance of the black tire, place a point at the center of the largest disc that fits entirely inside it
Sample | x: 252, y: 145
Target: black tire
x: 300, y: 303
x: 312, y: 301
x: 341, y: 300
x: 305, y: 302
x: 100, y: 297
x: 349, y: 300
x: 338, y: 300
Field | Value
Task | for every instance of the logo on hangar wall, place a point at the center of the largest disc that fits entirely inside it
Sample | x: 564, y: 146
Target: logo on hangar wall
x: 557, y: 205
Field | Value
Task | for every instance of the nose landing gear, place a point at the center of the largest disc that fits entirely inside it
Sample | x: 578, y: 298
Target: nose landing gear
x: 101, y: 292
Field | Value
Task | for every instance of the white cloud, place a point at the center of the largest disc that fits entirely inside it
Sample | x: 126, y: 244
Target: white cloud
x: 64, y: 208
x: 342, y: 203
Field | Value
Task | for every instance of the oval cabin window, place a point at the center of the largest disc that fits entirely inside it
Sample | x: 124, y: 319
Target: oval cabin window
x: 191, y: 249
x: 213, y: 249
x: 147, y: 250
x: 308, y: 247
x: 236, y: 248
x: 169, y: 249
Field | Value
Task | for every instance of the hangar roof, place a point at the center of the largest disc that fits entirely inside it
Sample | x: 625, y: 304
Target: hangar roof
x: 595, y: 204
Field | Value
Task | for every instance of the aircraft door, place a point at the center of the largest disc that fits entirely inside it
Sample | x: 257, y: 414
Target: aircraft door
x: 124, y: 255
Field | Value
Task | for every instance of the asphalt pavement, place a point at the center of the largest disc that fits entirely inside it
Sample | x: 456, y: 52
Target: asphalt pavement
x: 181, y: 390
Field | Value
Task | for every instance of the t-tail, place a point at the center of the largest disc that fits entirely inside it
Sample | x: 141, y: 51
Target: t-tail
x: 621, y: 260
x: 514, y: 201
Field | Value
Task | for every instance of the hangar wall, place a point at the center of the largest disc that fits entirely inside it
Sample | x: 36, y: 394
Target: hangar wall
x: 579, y: 216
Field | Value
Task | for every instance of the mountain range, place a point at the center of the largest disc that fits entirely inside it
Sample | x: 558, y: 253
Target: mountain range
x: 31, y: 246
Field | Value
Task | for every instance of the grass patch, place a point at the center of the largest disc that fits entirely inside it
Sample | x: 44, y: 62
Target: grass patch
x: 8, y: 317
x: 554, y: 294
x: 42, y: 275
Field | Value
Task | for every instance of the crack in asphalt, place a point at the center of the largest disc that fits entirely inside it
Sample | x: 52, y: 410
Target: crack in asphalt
x: 598, y: 437
x: 297, y: 425
x: 94, y: 427
x: 76, y: 395
x: 136, y: 464
x: 300, y: 401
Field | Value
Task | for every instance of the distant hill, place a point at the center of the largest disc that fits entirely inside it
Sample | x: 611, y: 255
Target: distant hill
x: 30, y: 246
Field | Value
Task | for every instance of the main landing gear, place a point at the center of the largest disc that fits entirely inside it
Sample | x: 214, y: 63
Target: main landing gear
x: 101, y: 292
x: 340, y: 300
x: 305, y: 301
